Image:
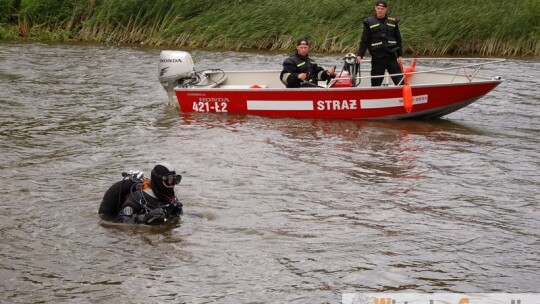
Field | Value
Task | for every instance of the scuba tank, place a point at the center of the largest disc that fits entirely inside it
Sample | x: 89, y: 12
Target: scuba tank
x: 114, y: 196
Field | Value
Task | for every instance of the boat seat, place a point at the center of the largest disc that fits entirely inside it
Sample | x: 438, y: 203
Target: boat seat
x: 242, y: 86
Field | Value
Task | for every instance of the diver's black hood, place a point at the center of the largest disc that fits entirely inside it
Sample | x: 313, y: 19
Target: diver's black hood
x: 160, y: 189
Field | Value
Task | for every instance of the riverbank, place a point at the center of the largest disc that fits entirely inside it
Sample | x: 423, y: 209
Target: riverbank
x: 495, y: 28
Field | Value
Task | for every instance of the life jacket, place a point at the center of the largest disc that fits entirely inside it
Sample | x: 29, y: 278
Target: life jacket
x: 383, y: 36
x: 114, y: 196
x: 303, y: 64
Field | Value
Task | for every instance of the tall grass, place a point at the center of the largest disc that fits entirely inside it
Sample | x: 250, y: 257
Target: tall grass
x: 429, y: 27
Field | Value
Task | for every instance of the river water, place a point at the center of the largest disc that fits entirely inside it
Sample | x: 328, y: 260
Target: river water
x: 276, y: 210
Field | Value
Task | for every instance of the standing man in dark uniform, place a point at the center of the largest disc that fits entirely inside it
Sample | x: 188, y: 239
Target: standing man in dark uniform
x: 382, y: 37
x: 299, y: 70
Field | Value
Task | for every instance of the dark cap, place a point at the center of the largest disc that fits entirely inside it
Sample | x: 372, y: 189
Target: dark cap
x: 302, y: 41
x: 381, y: 2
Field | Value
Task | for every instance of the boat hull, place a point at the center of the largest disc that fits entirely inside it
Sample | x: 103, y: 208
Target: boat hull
x: 429, y: 101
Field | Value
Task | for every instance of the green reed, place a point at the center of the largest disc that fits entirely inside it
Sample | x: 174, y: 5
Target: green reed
x: 429, y: 27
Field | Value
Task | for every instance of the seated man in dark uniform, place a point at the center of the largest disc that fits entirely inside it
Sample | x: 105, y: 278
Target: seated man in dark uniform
x: 299, y: 70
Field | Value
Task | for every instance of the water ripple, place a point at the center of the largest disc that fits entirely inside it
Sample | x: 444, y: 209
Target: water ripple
x: 277, y: 210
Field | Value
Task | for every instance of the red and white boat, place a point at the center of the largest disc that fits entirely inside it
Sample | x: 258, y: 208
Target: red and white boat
x: 426, y: 93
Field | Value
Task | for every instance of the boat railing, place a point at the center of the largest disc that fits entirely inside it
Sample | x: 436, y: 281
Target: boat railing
x: 461, y: 68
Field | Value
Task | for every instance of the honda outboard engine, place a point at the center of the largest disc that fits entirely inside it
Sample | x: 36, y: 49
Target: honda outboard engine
x: 175, y: 68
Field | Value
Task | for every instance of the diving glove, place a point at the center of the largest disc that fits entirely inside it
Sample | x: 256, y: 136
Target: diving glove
x: 154, y: 216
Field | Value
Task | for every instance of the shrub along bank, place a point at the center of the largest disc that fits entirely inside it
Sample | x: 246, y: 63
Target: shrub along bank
x: 429, y: 27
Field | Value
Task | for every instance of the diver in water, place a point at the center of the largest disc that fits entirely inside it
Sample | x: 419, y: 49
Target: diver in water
x: 139, y: 200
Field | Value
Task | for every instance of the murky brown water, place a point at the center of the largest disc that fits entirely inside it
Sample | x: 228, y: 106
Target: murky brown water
x: 276, y: 210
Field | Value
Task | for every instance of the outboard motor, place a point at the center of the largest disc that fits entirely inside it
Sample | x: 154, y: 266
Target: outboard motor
x: 175, y: 68
x: 353, y: 68
x: 349, y: 74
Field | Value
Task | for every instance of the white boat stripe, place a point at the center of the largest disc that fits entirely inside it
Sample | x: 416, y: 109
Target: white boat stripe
x: 280, y: 105
x: 390, y: 102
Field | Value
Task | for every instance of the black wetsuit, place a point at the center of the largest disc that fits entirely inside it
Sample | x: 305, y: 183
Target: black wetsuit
x: 138, y: 204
